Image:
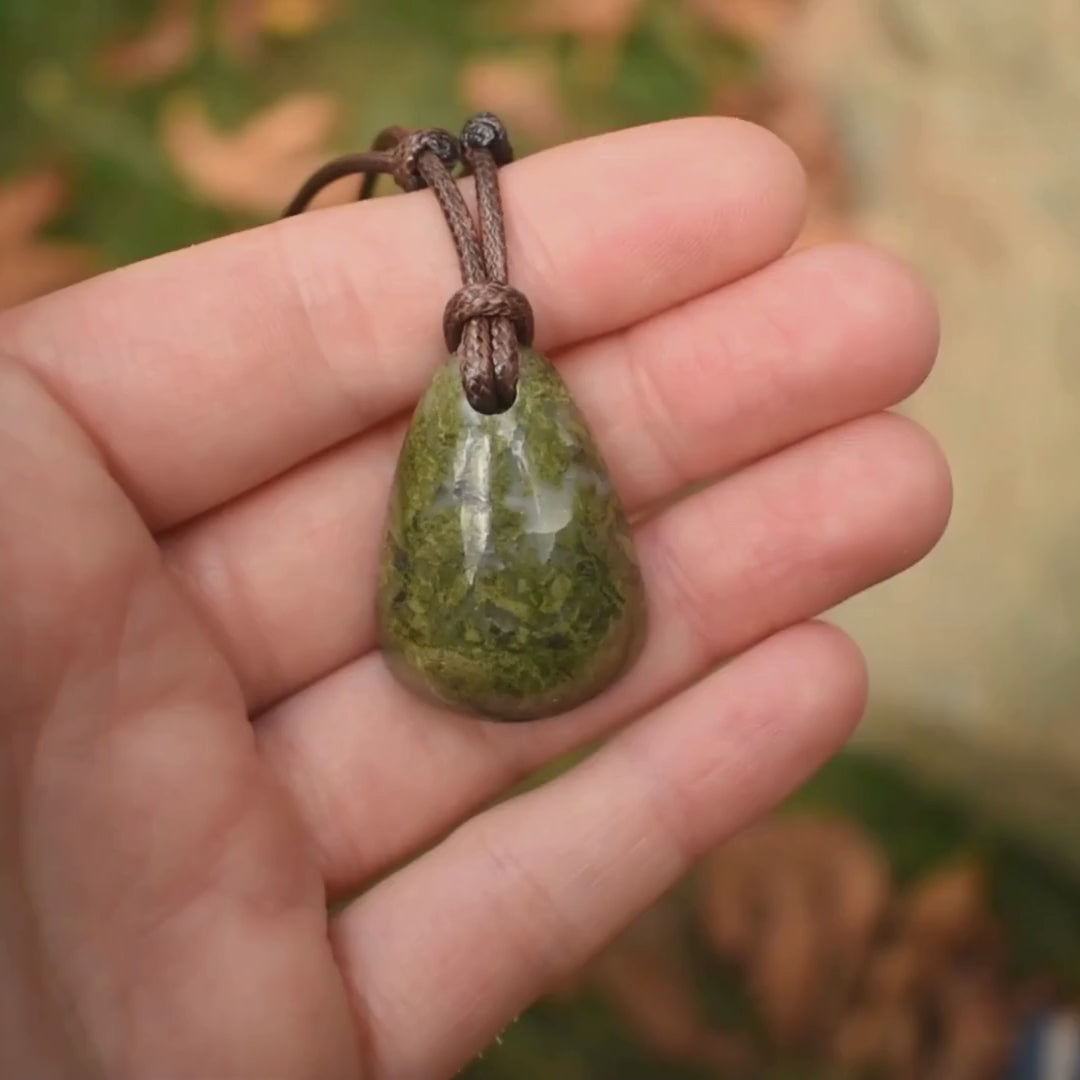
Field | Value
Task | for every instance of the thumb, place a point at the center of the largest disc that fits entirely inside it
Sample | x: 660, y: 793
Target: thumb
x: 158, y: 913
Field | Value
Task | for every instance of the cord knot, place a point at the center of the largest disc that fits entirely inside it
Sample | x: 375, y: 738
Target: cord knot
x: 485, y: 131
x: 487, y: 300
x: 406, y: 167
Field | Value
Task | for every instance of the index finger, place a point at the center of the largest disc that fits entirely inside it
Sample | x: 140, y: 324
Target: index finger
x: 204, y: 373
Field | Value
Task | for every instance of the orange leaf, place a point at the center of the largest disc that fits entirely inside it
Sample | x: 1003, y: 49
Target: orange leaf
x: 584, y: 18
x: 30, y: 265
x: 524, y: 92
x: 257, y: 168
x: 795, y: 902
x: 240, y: 22
x: 758, y: 21
x: 28, y: 203
x: 294, y: 18
x: 168, y: 42
x: 646, y: 979
x: 162, y: 48
x: 949, y: 908
x: 238, y: 26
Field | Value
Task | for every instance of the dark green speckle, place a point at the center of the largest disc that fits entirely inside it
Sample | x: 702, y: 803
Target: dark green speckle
x: 508, y: 585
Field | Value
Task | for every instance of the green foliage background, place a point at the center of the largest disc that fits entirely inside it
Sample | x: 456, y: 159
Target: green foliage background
x: 399, y: 61
x: 388, y: 61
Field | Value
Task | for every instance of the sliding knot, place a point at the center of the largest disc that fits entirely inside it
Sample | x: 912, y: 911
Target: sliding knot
x: 490, y: 300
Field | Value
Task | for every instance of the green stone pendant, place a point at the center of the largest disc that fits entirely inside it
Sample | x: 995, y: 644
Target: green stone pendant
x: 508, y: 585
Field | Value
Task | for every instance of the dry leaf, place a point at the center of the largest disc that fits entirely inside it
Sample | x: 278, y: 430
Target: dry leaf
x: 882, y: 1042
x: 799, y: 118
x: 881, y: 1027
x: 582, y: 18
x: 524, y: 92
x: 977, y: 1025
x: 933, y: 1003
x: 294, y: 18
x: 257, y: 168
x: 758, y: 21
x: 896, y: 973
x: 168, y: 41
x: 948, y: 909
x: 795, y: 902
x: 239, y: 24
x: 785, y: 972
x: 908, y: 988
x: 29, y: 265
x: 599, y: 28
x: 28, y: 203
x: 928, y: 1020
x: 646, y: 979
x: 747, y: 99
x: 162, y: 48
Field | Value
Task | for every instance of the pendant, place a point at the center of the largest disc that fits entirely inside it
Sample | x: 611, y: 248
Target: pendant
x: 508, y: 585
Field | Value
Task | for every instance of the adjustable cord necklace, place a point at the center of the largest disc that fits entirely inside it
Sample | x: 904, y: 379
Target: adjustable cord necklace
x: 508, y: 585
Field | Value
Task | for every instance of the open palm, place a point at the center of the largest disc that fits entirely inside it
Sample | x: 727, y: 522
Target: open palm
x: 199, y: 743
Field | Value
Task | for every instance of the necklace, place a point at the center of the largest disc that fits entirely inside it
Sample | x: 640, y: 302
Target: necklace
x: 508, y: 585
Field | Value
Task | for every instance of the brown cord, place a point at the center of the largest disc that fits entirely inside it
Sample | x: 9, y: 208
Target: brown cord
x: 487, y: 319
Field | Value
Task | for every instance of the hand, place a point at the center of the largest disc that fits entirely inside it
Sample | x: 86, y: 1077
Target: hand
x: 200, y: 743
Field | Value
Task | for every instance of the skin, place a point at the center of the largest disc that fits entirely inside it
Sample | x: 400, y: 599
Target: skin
x: 199, y: 742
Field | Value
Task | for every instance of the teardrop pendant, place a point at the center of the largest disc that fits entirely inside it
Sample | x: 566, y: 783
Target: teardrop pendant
x: 508, y: 584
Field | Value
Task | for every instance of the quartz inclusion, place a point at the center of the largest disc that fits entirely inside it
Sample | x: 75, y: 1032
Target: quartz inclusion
x: 508, y: 585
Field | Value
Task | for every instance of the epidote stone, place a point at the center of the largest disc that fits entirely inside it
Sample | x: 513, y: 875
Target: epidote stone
x: 508, y: 585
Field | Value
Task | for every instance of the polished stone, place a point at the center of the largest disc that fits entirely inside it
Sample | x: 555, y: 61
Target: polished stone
x: 508, y: 585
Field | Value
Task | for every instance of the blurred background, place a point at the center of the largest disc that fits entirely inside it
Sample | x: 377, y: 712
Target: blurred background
x: 913, y: 913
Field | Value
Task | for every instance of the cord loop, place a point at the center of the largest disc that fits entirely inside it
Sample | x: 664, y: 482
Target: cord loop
x: 487, y: 320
